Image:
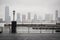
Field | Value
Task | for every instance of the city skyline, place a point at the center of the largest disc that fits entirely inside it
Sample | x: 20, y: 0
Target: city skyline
x: 29, y: 14
x: 27, y: 17
x: 39, y: 7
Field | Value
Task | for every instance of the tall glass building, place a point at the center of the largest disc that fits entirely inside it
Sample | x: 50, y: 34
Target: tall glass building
x: 7, y: 17
x: 18, y: 17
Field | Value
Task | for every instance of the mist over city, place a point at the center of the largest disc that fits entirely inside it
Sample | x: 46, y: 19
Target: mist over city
x: 29, y: 19
x: 38, y: 7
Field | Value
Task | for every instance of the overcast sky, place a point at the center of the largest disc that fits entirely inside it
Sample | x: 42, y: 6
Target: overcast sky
x: 39, y: 7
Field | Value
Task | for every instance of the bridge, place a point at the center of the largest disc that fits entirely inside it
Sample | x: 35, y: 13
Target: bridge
x: 39, y: 26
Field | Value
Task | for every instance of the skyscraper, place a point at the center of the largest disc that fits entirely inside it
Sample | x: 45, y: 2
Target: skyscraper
x: 56, y: 15
x: 18, y: 17
x: 1, y: 19
x: 48, y: 17
x: 29, y: 16
x: 23, y: 18
x: 7, y: 17
x: 35, y: 17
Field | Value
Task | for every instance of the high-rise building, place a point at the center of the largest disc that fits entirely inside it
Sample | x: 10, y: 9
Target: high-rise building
x: 56, y: 15
x: 18, y: 17
x: 1, y: 20
x: 48, y: 17
x: 23, y: 18
x: 35, y: 17
x: 7, y: 17
x: 29, y: 16
x: 58, y: 20
x: 40, y: 18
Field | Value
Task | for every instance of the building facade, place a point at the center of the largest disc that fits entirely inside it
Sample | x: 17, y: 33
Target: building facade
x: 7, y: 17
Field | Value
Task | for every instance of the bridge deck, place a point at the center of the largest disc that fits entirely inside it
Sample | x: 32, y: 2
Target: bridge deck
x: 38, y: 26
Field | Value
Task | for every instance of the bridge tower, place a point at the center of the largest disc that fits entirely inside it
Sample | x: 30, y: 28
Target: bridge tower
x: 14, y: 23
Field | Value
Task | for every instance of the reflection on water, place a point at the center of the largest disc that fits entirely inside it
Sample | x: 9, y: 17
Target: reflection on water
x: 27, y: 30
x: 20, y: 29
